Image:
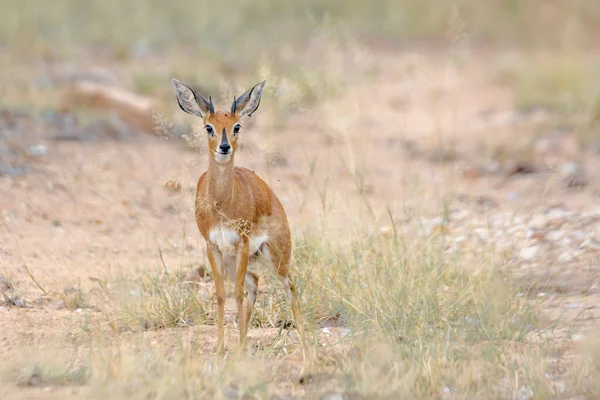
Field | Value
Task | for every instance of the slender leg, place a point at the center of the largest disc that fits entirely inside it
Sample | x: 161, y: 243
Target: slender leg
x: 251, y: 286
x: 239, y: 291
x: 215, y: 259
x: 290, y: 291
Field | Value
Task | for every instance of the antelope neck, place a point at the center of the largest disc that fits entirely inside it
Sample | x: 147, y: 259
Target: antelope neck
x: 220, y: 180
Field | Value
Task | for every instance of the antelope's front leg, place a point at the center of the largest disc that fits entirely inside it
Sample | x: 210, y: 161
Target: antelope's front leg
x: 216, y: 263
x: 239, y: 290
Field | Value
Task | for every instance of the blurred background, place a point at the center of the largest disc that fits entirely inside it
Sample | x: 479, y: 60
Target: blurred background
x: 476, y: 119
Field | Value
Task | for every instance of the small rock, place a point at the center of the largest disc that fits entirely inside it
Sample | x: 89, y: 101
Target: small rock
x: 535, y: 235
x: 486, y: 201
x: 577, y: 337
x: 515, y: 229
x: 555, y: 235
x: 518, y: 168
x: 482, y: 233
x: 559, y: 215
x: 386, y: 230
x: 539, y: 221
x: 38, y: 150
x: 528, y: 253
x: 579, y: 235
x: 472, y: 173
x: 512, y: 196
x: 565, y: 242
x: 132, y: 108
x: 574, y: 175
x: 564, y: 257
x: 525, y: 393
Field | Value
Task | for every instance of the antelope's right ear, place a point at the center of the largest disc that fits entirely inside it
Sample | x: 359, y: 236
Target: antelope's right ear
x: 191, y: 102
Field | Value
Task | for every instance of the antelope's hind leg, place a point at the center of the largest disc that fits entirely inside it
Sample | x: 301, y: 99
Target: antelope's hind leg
x: 290, y: 291
x: 251, y: 286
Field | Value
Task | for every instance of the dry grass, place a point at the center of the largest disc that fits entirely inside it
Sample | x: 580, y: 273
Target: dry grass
x: 390, y: 315
x: 417, y: 321
x: 152, y: 301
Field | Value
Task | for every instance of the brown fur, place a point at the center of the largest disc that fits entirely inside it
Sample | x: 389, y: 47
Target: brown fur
x: 238, y: 198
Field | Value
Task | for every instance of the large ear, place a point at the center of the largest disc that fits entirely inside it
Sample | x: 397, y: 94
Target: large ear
x: 190, y: 101
x: 248, y: 102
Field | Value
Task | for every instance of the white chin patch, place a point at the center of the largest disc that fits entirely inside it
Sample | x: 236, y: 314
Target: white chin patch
x: 222, y: 158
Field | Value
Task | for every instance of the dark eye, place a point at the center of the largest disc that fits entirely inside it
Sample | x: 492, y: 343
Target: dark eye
x: 209, y: 130
x: 236, y: 129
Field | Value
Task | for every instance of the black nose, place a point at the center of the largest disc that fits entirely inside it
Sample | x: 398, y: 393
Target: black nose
x: 224, y: 147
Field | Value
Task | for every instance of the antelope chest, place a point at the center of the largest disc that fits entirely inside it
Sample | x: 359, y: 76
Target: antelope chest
x: 227, y: 240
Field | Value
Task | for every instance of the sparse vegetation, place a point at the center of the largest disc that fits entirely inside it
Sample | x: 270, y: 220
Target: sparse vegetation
x: 402, y: 296
x: 413, y: 318
x: 153, y: 300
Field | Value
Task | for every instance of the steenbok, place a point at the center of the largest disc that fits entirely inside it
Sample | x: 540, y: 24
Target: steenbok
x: 239, y: 216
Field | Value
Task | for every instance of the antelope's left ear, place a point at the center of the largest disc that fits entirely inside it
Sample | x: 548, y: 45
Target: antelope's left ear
x: 248, y: 102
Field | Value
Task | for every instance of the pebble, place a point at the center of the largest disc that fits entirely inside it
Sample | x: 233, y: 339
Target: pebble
x: 513, y: 196
x: 559, y: 214
x: 555, y: 235
x: 574, y: 175
x: 579, y: 235
x: 564, y: 257
x: 539, y: 221
x: 482, y: 233
x: 525, y: 393
x: 577, y: 337
x: 528, y: 253
x: 37, y: 150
